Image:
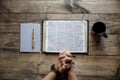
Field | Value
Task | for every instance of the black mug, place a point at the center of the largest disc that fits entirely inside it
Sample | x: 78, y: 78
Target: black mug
x: 99, y: 28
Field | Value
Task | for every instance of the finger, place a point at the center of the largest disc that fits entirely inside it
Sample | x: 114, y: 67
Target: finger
x: 62, y: 69
x: 61, y: 57
x: 68, y: 54
x: 69, y: 59
x: 63, y: 62
x: 68, y: 66
x: 61, y: 53
x: 66, y: 60
x: 65, y: 65
x: 65, y: 53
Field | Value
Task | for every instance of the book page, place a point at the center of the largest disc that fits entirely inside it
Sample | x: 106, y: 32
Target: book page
x: 66, y: 36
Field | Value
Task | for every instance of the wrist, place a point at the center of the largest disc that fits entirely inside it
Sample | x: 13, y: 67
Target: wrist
x: 71, y: 72
x: 71, y: 69
x: 53, y: 73
x: 53, y: 69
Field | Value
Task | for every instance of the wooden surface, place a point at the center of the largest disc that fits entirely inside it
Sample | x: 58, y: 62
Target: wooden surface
x: 103, y: 60
x: 60, y: 6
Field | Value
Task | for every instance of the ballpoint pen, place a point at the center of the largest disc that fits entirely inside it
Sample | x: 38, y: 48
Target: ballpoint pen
x: 33, y: 43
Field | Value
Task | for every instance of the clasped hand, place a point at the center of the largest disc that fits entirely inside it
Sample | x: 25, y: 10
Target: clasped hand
x: 65, y: 62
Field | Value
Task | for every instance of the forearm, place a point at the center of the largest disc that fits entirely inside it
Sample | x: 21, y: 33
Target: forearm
x: 50, y: 76
x: 72, y: 75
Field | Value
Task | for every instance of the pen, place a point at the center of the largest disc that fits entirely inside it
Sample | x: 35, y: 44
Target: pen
x: 33, y: 38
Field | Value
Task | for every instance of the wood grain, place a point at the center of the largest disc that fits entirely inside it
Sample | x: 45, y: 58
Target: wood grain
x: 40, y: 76
x: 103, y: 60
x: 37, y: 63
x: 60, y: 6
x: 36, y: 66
x: 38, y: 17
x: 97, y: 46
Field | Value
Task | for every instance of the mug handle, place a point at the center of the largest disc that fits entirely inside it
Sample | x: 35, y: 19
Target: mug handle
x: 104, y: 35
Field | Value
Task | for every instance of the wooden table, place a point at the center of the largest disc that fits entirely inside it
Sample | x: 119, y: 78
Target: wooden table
x: 103, y: 61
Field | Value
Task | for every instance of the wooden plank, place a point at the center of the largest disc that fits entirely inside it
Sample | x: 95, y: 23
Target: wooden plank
x: 98, y: 65
x: 92, y: 65
x: 35, y: 6
x: 17, y: 76
x: 60, y: 6
x: 8, y: 76
x: 38, y: 17
x: 92, y: 6
x: 19, y: 63
x: 10, y: 30
x: 10, y: 27
x: 36, y: 63
x: 110, y: 45
x: 10, y: 42
x: 84, y: 77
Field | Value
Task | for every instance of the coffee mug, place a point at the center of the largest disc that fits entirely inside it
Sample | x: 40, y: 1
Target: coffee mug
x: 99, y: 28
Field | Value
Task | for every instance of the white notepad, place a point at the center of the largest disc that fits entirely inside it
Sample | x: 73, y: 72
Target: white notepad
x: 27, y: 32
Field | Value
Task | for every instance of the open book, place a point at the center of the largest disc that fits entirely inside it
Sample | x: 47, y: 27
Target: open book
x: 60, y: 35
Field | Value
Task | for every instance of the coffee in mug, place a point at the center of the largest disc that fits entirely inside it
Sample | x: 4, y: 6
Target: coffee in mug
x: 99, y: 28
